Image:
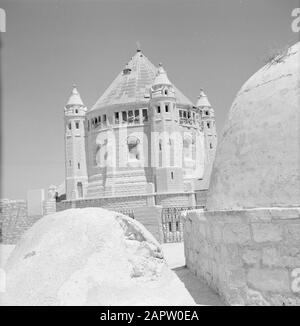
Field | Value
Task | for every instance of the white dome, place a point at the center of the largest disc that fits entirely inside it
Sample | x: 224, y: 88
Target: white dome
x: 257, y: 161
x: 90, y: 256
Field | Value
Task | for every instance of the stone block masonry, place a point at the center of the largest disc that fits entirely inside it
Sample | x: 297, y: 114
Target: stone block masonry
x: 130, y: 202
x: 247, y: 256
x: 14, y: 220
x: 110, y: 203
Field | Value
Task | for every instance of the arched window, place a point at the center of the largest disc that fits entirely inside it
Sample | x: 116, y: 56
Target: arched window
x: 79, y: 189
x: 132, y: 144
x: 78, y: 166
x: 145, y: 115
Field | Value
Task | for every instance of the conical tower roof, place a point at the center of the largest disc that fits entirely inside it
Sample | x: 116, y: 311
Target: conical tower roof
x: 161, y: 77
x: 132, y: 85
x: 75, y: 98
x: 202, y: 100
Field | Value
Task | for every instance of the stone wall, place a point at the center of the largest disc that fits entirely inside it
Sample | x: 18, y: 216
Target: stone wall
x: 14, y: 220
x: 248, y: 256
x: 201, y: 197
x: 112, y: 203
x: 127, y: 202
x: 49, y: 207
x: 176, y: 200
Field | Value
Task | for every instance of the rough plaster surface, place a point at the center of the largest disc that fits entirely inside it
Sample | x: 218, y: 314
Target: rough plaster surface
x: 247, y: 256
x: 257, y: 160
x: 90, y: 256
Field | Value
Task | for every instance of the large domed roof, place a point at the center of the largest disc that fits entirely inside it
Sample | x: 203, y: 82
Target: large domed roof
x: 132, y: 85
x: 257, y: 161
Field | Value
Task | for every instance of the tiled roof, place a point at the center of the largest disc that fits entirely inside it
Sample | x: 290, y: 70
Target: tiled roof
x: 132, y: 85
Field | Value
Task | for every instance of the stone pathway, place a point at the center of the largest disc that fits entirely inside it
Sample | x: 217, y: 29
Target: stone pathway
x: 198, y: 289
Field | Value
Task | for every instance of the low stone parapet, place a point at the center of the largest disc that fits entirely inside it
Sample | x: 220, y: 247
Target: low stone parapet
x: 250, y: 257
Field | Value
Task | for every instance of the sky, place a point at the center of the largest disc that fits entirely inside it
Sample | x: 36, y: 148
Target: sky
x: 49, y: 45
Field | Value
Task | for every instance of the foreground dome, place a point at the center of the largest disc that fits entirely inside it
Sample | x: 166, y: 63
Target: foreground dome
x: 257, y: 161
x: 90, y: 256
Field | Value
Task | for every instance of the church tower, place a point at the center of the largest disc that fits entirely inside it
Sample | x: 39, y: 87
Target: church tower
x: 75, y: 155
x: 210, y: 133
x: 167, y: 174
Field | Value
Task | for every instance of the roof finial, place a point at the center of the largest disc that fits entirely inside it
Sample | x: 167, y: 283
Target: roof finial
x: 138, y: 46
x: 201, y: 93
x: 74, y: 89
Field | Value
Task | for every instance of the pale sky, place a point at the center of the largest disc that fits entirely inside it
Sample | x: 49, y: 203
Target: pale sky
x: 49, y: 45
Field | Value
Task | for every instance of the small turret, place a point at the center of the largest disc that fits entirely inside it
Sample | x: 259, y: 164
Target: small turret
x: 202, y: 100
x: 161, y: 77
x: 207, y: 113
x: 75, y: 165
x: 163, y: 124
x: 75, y: 98
x: 210, y: 133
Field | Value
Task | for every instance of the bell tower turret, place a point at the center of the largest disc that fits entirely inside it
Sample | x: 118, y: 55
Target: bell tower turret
x: 210, y: 133
x: 167, y: 173
x: 75, y: 155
